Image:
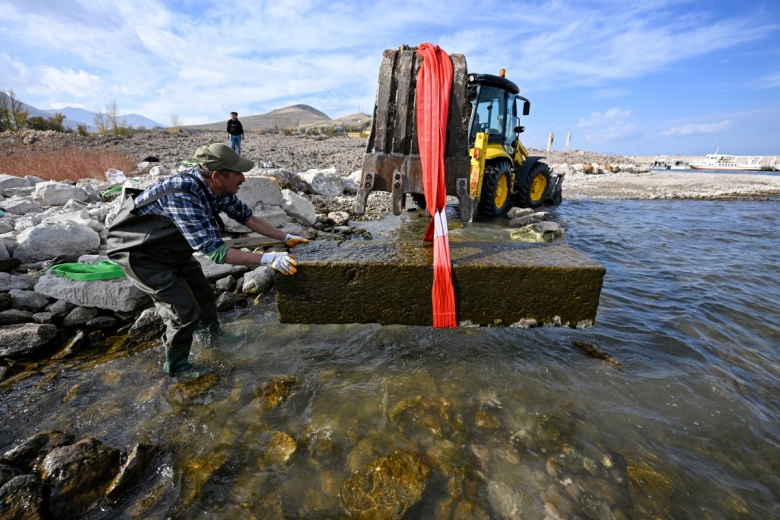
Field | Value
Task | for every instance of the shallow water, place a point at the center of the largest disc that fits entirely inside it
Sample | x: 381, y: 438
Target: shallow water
x: 511, y: 422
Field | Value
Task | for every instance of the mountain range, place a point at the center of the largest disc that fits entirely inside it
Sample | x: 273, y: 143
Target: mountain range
x: 300, y: 117
x: 78, y: 116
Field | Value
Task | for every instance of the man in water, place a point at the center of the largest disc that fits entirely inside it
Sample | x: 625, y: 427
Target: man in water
x: 156, y: 232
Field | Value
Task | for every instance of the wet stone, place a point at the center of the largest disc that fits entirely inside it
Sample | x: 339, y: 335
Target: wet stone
x: 78, y: 475
x: 271, y: 394
x: 7, y: 473
x: 31, y: 452
x: 386, y: 488
x: 186, y: 393
x: 138, y: 461
x: 280, y: 448
x: 23, y: 497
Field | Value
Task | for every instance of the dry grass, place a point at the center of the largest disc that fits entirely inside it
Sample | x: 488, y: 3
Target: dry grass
x: 65, y: 163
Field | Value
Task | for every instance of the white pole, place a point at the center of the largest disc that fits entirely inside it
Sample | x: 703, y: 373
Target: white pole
x: 568, y: 140
x: 550, y: 142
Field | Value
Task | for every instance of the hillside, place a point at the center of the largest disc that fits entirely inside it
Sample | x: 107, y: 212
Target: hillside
x: 295, y: 116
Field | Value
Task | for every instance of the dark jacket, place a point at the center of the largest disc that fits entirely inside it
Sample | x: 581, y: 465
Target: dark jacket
x: 234, y: 127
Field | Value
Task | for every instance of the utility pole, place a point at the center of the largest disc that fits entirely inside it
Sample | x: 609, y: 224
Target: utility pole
x: 550, y: 142
x: 568, y: 140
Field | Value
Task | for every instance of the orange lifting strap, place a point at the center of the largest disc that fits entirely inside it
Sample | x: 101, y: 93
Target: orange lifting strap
x: 434, y: 83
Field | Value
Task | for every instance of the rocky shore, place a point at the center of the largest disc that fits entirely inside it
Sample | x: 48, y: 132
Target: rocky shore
x: 304, y: 185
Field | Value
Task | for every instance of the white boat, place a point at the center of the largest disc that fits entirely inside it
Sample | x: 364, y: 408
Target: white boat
x: 663, y: 164
x: 716, y: 161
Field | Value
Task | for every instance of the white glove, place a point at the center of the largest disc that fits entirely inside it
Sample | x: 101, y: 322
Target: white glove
x: 281, y: 262
x: 292, y: 240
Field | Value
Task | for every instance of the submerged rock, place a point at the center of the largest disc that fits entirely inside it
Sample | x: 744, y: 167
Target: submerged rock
x: 386, y: 488
x: 32, y: 451
x: 23, y: 497
x: 78, y: 475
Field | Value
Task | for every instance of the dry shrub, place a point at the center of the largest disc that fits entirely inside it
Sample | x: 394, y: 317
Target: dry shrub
x: 66, y: 163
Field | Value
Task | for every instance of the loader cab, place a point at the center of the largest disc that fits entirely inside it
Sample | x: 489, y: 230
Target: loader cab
x: 494, y: 110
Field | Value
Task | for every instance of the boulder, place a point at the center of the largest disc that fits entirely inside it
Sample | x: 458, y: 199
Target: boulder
x: 20, y: 206
x: 258, y: 281
x: 118, y: 294
x: 299, y: 208
x: 264, y: 190
x: 28, y: 300
x: 23, y: 497
x: 12, y: 181
x: 25, y: 339
x: 327, y: 182
x: 52, y: 193
x: 47, y: 241
x: 78, y: 475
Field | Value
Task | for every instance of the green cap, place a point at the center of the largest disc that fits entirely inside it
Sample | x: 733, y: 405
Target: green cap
x: 219, y: 156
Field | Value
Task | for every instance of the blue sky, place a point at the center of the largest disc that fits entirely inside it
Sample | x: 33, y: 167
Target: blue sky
x: 633, y: 78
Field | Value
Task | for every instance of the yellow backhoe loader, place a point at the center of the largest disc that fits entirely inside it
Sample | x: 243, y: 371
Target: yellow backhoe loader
x: 487, y: 167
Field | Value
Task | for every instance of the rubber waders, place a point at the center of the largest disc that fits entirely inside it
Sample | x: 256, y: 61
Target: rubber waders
x: 213, y: 334
x: 176, y: 364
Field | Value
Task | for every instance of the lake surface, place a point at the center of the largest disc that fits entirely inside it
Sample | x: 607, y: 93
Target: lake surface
x: 680, y: 422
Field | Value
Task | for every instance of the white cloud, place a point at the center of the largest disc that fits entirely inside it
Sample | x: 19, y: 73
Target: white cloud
x: 77, y: 84
x: 611, y: 124
x: 697, y: 129
x: 768, y: 81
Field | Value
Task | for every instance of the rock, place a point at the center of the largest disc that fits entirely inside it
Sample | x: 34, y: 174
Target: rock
x: 30, y: 453
x: 5, y: 301
x: 386, y: 488
x: 118, y: 294
x: 227, y: 301
x: 28, y: 300
x: 73, y: 345
x: 12, y: 181
x: 530, y: 218
x: 339, y: 218
x: 137, y: 463
x: 20, y: 206
x: 23, y: 497
x: 258, y: 281
x: 226, y: 284
x: 79, y: 316
x: 78, y: 475
x: 148, y: 326
x: 279, y: 448
x: 7, y: 473
x: 273, y: 392
x: 7, y: 264
x: 101, y: 322
x: 15, y: 316
x: 52, y: 193
x: 260, y: 190
x: 46, y: 241
x: 298, y: 208
x: 539, y: 232
x: 214, y: 271
x: 26, y: 339
x: 327, y: 182
x: 9, y: 282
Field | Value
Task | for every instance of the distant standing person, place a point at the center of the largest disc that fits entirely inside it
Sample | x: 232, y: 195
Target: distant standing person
x: 235, y: 132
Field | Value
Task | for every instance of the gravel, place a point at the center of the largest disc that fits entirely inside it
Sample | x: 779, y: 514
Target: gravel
x: 300, y: 153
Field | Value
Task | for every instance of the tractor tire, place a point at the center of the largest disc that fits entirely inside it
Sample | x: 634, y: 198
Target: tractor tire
x: 532, y: 189
x: 496, y: 190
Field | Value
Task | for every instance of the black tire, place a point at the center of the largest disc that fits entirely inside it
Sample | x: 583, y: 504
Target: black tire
x: 419, y: 200
x: 496, y: 190
x: 532, y: 190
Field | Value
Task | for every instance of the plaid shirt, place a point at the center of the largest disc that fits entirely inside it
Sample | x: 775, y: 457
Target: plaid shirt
x: 192, y: 212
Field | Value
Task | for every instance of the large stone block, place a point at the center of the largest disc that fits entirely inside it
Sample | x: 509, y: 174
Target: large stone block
x: 388, y: 282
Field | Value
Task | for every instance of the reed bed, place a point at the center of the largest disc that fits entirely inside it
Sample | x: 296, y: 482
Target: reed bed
x: 69, y: 163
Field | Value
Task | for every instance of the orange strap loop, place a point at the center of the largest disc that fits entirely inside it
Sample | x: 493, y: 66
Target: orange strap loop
x: 434, y: 83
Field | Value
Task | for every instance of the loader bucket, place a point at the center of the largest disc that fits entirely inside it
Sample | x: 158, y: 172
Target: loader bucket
x: 392, y: 159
